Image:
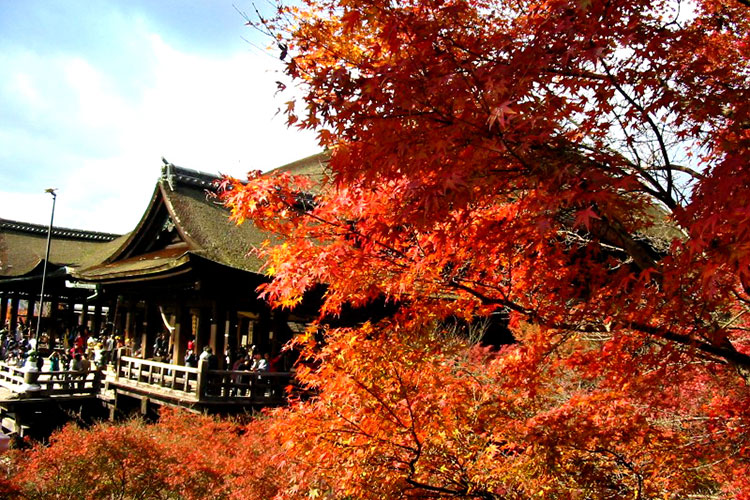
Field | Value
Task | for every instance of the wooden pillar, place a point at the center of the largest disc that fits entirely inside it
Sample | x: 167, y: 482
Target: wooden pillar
x: 3, y: 309
x: 153, y: 325
x: 204, y: 328
x: 53, y: 329
x: 147, y: 349
x: 129, y: 324
x: 182, y: 332
x: 216, y: 340
x: 120, y: 315
x: 85, y: 312
x: 30, y: 310
x: 70, y: 318
x: 13, y: 311
x: 194, y: 334
x: 97, y: 326
x: 227, y: 332
x: 280, y: 332
x: 262, y: 332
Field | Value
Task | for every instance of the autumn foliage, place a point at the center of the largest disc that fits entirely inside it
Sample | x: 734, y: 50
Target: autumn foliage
x: 185, y: 456
x: 581, y: 166
x: 577, y: 166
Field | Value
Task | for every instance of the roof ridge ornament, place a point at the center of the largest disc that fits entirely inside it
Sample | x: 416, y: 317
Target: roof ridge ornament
x: 167, y: 173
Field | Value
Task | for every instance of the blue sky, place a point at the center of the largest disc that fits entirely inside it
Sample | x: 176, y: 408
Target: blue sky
x: 94, y: 92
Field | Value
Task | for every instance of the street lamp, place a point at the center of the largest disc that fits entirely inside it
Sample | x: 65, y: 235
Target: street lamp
x: 44, y: 275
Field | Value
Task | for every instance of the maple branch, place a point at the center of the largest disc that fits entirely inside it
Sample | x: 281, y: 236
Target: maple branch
x: 358, y: 430
x: 429, y: 487
x: 649, y: 120
x: 621, y: 460
x: 409, y: 406
x: 589, y: 75
x: 727, y: 352
x: 687, y: 170
x: 381, y: 402
x: 485, y: 300
x: 613, y: 231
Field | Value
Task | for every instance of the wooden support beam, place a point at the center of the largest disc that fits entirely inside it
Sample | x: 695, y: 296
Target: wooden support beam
x: 30, y: 300
x: 213, y: 339
x: 227, y: 330
x: 13, y: 311
x: 182, y: 332
x: 204, y: 328
x: 53, y: 331
x: 85, y: 312
x: 70, y: 319
x: 263, y: 332
x: 129, y: 325
x: 147, y: 343
x: 97, y: 316
x: 4, y: 300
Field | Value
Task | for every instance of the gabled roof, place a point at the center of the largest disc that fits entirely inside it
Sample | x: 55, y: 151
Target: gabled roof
x: 184, y: 222
x: 313, y: 166
x: 23, y: 247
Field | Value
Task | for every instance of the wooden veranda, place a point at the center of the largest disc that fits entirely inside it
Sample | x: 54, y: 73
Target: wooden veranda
x: 132, y: 385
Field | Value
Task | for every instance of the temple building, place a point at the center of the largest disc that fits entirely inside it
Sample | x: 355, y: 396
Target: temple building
x: 185, y: 271
x: 22, y: 253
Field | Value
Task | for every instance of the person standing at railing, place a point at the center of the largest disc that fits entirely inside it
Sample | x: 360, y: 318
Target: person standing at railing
x: 54, y: 363
x: 85, y: 363
x: 108, y: 350
x: 260, y: 364
x: 210, y: 358
x: 161, y: 346
x: 75, y: 363
x: 191, y: 360
x: 240, y: 382
x: 76, y: 366
x: 85, y: 369
x: 79, y: 343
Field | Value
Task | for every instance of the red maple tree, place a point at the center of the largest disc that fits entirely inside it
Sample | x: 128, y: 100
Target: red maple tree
x: 580, y: 165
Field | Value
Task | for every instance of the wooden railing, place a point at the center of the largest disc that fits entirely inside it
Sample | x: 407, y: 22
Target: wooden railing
x: 256, y: 387
x: 180, y: 380
x: 156, y: 378
x: 50, y: 383
x: 10, y: 376
x: 201, y: 384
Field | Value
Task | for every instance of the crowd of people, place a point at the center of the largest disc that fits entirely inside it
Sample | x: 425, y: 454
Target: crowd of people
x: 77, y: 349
x: 241, y: 359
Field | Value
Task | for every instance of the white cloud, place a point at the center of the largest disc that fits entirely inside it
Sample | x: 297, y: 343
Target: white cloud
x: 77, y: 129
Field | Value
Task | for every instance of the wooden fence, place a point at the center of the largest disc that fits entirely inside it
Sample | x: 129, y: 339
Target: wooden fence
x: 201, y: 384
x: 50, y: 383
x: 152, y: 377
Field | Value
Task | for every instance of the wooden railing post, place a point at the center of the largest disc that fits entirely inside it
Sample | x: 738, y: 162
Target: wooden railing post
x: 118, y: 363
x: 200, y: 386
x: 97, y: 383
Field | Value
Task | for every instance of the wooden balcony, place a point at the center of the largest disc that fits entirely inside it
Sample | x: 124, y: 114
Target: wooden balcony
x: 20, y: 383
x: 28, y: 398
x: 198, y: 387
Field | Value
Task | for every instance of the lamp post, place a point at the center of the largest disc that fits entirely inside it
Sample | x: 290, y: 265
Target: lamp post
x: 44, y: 274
